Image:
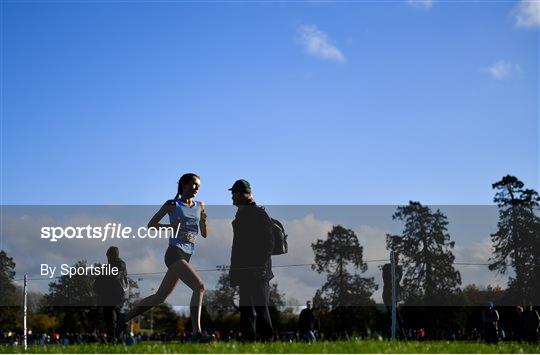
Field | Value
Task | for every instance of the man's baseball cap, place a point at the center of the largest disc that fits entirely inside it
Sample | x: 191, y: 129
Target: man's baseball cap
x: 240, y: 186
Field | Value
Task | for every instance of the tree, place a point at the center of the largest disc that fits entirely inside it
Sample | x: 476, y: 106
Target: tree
x: 10, y: 314
x: 276, y: 303
x: 163, y: 318
x: 346, y: 292
x: 426, y: 253
x: 517, y: 240
x: 276, y: 299
x: 134, y: 293
x: 221, y: 301
x: 340, y: 256
x: 42, y: 323
x: 7, y: 275
x: 72, y: 301
x: 479, y: 297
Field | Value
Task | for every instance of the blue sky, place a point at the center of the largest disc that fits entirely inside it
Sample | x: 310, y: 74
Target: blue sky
x: 314, y: 103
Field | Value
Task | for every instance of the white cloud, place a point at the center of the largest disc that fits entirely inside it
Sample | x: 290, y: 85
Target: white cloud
x: 373, y: 239
x: 479, y: 253
x: 421, y: 4
x: 502, y: 69
x: 527, y: 13
x: 316, y: 43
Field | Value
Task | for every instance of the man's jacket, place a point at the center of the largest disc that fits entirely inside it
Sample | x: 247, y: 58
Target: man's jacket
x: 307, y: 320
x: 252, y: 247
x: 110, y: 289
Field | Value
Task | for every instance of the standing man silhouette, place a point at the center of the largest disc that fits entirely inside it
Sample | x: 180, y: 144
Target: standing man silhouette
x: 307, y: 322
x: 111, y: 292
x: 251, y: 263
x: 387, y: 289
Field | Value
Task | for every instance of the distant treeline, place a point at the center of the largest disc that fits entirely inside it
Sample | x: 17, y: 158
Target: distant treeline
x: 430, y: 293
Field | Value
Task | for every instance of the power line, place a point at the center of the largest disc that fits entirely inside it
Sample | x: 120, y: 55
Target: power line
x: 474, y: 264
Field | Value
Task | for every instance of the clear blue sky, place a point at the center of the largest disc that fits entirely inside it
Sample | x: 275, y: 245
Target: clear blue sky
x: 109, y: 102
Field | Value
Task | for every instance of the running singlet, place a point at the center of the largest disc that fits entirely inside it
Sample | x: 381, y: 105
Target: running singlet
x: 189, y: 218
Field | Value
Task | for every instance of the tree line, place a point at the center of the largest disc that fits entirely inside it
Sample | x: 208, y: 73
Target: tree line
x: 430, y: 292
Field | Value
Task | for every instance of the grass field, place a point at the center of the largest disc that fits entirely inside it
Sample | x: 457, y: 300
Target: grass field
x: 358, y: 346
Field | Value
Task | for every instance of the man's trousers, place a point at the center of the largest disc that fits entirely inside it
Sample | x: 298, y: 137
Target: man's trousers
x: 254, y: 311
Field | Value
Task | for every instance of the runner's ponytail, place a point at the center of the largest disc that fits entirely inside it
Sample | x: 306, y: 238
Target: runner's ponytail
x: 179, y: 191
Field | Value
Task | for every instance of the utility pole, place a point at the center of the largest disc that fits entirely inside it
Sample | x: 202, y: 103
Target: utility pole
x: 140, y: 279
x: 394, y: 301
x: 25, y: 330
x: 152, y: 317
x: 152, y: 321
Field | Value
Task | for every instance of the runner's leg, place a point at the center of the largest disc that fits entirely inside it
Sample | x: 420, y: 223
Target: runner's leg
x: 191, y: 278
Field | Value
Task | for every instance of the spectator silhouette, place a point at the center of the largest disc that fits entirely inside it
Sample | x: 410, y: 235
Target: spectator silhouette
x: 251, y: 263
x: 490, y: 319
x: 387, y: 291
x: 531, y: 323
x: 517, y: 323
x: 112, y: 293
x: 307, y: 323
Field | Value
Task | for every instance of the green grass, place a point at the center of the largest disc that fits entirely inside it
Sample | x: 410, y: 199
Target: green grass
x: 353, y: 346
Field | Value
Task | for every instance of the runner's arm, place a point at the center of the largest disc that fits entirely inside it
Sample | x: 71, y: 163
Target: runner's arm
x: 203, y: 224
x: 164, y: 210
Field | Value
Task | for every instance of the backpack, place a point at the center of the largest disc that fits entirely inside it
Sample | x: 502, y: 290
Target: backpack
x: 280, y: 238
